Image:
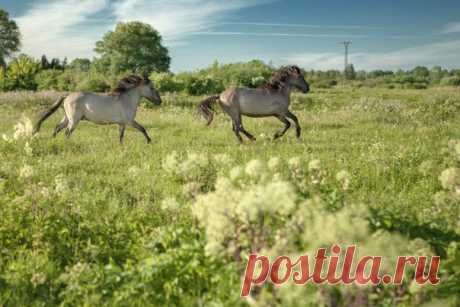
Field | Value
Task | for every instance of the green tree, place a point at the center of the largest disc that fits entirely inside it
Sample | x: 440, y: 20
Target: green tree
x: 421, y: 72
x: 21, y: 73
x: 44, y: 63
x: 80, y: 64
x: 133, y: 46
x: 9, y: 36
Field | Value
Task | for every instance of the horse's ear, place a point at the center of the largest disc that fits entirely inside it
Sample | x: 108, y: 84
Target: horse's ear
x: 295, y: 69
x: 145, y: 76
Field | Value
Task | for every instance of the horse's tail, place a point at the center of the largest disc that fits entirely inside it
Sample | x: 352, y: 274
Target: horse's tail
x: 48, y: 113
x: 205, y: 108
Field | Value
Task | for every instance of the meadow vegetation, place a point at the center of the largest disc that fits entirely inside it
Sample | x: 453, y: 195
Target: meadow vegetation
x: 85, y: 221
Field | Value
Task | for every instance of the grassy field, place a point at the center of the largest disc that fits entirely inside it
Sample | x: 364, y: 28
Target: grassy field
x: 85, y: 221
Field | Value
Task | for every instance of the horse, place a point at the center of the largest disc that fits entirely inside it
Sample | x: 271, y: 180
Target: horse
x: 270, y: 99
x: 116, y: 107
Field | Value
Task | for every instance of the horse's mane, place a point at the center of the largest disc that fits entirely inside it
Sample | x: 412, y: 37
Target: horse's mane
x: 278, y: 79
x: 126, y: 84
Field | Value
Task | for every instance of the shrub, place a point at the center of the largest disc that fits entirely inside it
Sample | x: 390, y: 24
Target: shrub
x: 451, y: 81
x: 68, y: 80
x: 48, y: 79
x: 165, y: 82
x: 203, y: 86
x: 93, y: 84
x: 21, y: 73
x: 325, y: 83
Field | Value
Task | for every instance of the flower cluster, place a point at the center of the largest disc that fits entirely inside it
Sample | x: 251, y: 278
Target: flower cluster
x: 446, y: 201
x: 23, y: 129
x: 26, y: 171
x: 344, y: 178
x: 195, y: 171
x: 240, y: 219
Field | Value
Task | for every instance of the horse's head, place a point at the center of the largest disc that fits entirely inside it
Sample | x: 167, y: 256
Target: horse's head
x: 295, y: 78
x: 148, y: 91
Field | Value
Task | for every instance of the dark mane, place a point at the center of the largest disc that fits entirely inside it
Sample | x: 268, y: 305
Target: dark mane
x: 279, y: 77
x: 126, y: 84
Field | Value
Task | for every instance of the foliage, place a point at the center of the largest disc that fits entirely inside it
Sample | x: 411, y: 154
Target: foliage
x: 166, y: 82
x: 133, y: 46
x: 21, y: 73
x: 9, y: 36
x: 451, y: 81
x: 201, y: 85
x: 93, y: 83
x: 48, y: 79
x: 80, y: 64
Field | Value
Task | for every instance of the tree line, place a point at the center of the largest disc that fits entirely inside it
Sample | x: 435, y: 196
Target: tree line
x: 135, y: 47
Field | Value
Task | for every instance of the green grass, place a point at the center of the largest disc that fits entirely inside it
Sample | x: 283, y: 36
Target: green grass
x: 110, y: 222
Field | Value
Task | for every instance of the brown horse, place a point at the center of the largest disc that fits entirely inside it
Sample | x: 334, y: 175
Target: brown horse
x: 271, y: 99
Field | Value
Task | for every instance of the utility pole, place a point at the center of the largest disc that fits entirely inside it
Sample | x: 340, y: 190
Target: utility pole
x: 346, y: 44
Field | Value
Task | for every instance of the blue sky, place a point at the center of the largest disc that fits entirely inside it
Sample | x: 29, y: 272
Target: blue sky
x: 385, y: 34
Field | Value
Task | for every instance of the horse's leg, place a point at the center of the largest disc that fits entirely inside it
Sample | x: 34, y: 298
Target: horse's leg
x: 122, y: 128
x: 72, y: 125
x: 296, y: 122
x: 287, y: 125
x: 247, y: 134
x: 60, y: 126
x: 236, y: 130
x: 137, y: 126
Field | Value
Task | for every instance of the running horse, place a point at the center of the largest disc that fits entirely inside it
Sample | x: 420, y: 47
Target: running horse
x: 117, y: 107
x: 270, y: 99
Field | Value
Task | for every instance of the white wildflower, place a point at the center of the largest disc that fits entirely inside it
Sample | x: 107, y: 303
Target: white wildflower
x: 294, y: 163
x: 229, y: 209
x: 134, y: 171
x: 193, y: 164
x: 191, y: 189
x: 236, y: 173
x: 274, y: 163
x: 27, y: 149
x: 171, y: 163
x: 38, y: 279
x: 45, y: 192
x: 170, y: 204
x: 61, y: 184
x: 450, y: 178
x: 344, y: 178
x: 223, y: 159
x: 6, y: 138
x: 426, y: 167
x: 26, y: 171
x: 254, y: 168
x: 23, y: 128
x: 316, y: 174
x: 314, y: 165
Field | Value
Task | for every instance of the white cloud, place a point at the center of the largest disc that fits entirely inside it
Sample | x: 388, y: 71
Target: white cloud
x: 319, y: 35
x: 445, y: 54
x: 52, y: 28
x: 452, y: 28
x: 298, y: 25
x: 175, y: 20
x: 61, y: 28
